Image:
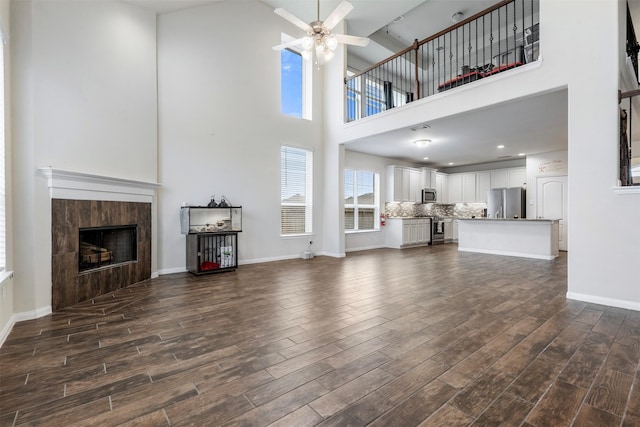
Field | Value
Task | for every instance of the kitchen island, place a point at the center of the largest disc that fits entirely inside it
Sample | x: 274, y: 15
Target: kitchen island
x: 530, y: 238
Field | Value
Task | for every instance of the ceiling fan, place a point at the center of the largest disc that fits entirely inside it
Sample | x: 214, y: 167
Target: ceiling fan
x: 319, y: 39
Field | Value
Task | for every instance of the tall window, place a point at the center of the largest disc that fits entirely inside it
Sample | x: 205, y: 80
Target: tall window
x: 295, y: 87
x: 296, y: 191
x: 3, y: 223
x: 361, y: 195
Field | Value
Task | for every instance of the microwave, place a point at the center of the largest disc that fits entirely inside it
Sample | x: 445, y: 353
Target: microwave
x: 429, y: 195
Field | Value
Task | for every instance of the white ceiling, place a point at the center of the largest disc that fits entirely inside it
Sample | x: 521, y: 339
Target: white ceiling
x: 532, y: 125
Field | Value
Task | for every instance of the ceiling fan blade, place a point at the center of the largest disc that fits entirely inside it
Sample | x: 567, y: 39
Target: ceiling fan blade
x: 352, y: 40
x: 293, y: 19
x: 338, y: 14
x: 282, y: 46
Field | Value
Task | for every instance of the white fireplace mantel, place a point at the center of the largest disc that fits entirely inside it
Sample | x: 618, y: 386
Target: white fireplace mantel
x: 83, y: 186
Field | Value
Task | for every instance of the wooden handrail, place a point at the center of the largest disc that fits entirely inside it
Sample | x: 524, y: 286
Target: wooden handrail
x: 416, y: 44
x: 630, y: 94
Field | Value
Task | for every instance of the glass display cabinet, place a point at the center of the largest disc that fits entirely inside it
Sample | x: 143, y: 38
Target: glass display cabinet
x: 212, y: 237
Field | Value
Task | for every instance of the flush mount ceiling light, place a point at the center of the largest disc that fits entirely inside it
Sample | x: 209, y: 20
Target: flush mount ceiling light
x: 319, y: 39
x: 500, y: 146
x: 457, y: 17
x: 422, y: 142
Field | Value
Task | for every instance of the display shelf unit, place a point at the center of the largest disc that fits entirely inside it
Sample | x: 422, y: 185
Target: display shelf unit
x: 212, y: 237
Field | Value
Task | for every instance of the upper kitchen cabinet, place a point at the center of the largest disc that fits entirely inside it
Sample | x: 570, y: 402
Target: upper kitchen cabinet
x: 483, y: 185
x: 462, y: 188
x: 505, y: 178
x: 428, y: 178
x: 404, y: 184
x: 442, y: 187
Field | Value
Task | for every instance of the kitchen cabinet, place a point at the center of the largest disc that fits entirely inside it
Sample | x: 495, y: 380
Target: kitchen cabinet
x: 405, y: 232
x: 518, y: 177
x: 448, y: 230
x: 507, y: 178
x: 442, y: 187
x: 428, y: 178
x: 455, y: 188
x: 483, y: 184
x: 468, y: 187
x: 403, y: 184
x: 454, y: 230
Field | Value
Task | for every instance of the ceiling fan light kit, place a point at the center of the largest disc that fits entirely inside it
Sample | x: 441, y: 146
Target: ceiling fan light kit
x: 319, y: 39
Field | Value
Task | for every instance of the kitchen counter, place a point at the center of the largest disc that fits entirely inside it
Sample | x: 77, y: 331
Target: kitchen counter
x: 521, y: 237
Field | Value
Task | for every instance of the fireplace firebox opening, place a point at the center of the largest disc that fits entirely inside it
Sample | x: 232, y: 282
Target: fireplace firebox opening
x: 107, y: 246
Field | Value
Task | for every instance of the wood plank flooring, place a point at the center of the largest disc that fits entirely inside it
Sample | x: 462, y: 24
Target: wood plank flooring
x: 419, y: 337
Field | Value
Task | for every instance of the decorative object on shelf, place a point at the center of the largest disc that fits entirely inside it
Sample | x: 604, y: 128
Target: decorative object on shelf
x: 212, y: 203
x: 319, y: 39
x: 223, y: 202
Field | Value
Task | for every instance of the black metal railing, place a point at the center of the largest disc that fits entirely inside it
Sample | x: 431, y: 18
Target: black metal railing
x: 629, y: 167
x: 632, y: 43
x: 497, y: 39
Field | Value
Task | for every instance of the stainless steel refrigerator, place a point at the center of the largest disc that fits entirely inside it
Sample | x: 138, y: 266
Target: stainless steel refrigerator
x: 506, y: 203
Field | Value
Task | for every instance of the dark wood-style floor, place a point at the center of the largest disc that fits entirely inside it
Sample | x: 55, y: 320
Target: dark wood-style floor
x: 424, y: 336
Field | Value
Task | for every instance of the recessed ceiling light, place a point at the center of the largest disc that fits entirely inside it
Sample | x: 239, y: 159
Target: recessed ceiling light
x: 500, y: 146
x: 521, y: 154
x: 422, y: 142
x: 425, y: 158
x: 450, y: 163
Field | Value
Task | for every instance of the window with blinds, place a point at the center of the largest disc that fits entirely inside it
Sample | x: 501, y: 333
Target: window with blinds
x: 3, y: 223
x: 296, y: 191
x: 361, y: 196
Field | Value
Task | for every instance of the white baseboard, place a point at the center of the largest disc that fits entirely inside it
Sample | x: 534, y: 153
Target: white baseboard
x: 340, y: 255
x: 19, y: 317
x: 155, y: 275
x: 612, y: 302
x: 270, y: 259
x: 505, y: 253
x: 172, y: 270
x: 365, y: 248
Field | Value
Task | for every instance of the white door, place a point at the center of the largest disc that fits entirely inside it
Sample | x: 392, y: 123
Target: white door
x: 552, y: 203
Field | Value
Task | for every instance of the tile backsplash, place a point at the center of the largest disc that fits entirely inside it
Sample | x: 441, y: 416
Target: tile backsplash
x: 457, y: 210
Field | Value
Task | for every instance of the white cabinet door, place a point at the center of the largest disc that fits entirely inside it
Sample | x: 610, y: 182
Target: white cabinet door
x: 483, y: 184
x: 415, y: 185
x: 442, y: 187
x: 427, y: 178
x: 469, y: 187
x: 406, y: 232
x: 499, y: 179
x: 454, y: 230
x: 517, y: 177
x: 455, y: 188
x: 405, y: 194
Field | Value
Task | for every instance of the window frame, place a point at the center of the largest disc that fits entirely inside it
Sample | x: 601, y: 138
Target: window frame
x: 308, y: 184
x: 307, y: 79
x: 356, y: 206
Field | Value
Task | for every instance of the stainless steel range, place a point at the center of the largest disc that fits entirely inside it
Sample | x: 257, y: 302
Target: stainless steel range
x: 437, y: 231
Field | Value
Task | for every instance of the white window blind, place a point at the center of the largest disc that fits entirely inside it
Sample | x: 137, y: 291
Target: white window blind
x: 296, y: 191
x: 361, y: 196
x: 3, y: 223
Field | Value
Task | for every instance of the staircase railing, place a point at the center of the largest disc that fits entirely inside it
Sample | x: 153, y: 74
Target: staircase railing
x: 497, y: 39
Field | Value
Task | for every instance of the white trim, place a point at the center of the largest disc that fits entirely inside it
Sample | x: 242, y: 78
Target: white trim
x: 612, y: 302
x: 505, y: 253
x: 83, y: 186
x: 166, y: 271
x: 365, y: 248
x: 20, y: 317
x: 270, y: 259
x: 635, y: 189
x: 4, y: 277
x: 155, y: 274
x: 340, y: 255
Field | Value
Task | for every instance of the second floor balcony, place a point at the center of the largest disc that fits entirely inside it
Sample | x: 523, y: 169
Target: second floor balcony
x: 496, y: 40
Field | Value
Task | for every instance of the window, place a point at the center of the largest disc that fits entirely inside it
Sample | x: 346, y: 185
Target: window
x: 379, y: 96
x: 296, y: 191
x: 295, y: 88
x: 361, y: 196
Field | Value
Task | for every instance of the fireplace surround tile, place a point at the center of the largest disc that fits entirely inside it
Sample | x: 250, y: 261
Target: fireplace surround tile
x: 70, y: 287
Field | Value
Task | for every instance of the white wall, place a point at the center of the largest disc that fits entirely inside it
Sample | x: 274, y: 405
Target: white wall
x: 555, y: 163
x: 602, y: 260
x: 221, y: 128
x: 84, y: 99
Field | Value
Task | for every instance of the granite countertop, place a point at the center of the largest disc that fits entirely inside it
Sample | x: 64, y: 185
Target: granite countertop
x: 509, y: 219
